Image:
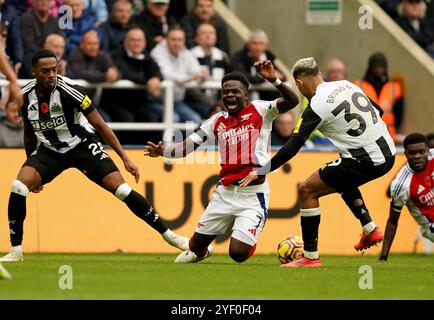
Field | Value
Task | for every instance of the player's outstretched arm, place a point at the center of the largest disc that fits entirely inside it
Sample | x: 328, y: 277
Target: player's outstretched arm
x: 14, y: 89
x: 110, y: 138
x: 389, y: 235
x: 289, y: 99
x: 172, y: 151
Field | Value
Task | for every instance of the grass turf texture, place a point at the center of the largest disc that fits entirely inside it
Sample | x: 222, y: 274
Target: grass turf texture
x: 145, y: 276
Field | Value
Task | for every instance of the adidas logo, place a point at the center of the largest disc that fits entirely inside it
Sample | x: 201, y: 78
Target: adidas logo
x: 420, y: 189
x: 32, y: 108
x: 12, y: 232
x: 221, y: 126
x: 156, y: 217
x: 253, y: 231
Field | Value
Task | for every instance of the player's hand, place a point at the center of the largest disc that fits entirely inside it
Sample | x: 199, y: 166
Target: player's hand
x: 252, y: 176
x: 15, y: 94
x: 266, y: 70
x: 38, y: 189
x: 153, y: 150
x: 132, y: 168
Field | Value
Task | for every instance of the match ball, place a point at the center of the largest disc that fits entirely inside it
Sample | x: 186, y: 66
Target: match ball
x: 290, y: 249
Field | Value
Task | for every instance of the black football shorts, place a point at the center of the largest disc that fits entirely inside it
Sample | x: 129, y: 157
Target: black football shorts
x: 89, y: 157
x: 345, y: 173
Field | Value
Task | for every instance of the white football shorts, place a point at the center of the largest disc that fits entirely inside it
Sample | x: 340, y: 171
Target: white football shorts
x: 246, y: 207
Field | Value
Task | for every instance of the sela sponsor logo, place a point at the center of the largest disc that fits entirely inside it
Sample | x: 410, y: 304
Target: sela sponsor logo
x: 49, y: 124
x: 245, y: 117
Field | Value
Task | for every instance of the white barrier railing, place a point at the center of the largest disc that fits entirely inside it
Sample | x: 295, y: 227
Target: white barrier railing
x: 168, y: 100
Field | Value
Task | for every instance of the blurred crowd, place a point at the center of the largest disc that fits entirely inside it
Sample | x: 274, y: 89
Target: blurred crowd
x: 416, y: 17
x: 141, y: 41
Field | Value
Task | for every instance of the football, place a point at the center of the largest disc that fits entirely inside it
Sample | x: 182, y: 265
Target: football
x: 290, y: 249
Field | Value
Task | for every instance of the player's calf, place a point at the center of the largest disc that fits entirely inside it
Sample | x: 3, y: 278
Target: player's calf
x: 142, y: 209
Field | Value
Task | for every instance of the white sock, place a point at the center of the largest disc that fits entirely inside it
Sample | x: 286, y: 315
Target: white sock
x: 368, y: 228
x: 17, y: 248
x: 312, y: 255
x: 168, y: 233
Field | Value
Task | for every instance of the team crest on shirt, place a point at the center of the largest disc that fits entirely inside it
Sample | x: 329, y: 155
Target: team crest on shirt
x: 56, y: 107
x: 246, y: 117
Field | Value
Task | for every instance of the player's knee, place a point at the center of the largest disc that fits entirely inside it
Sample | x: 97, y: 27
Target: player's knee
x: 239, y: 255
x: 19, y: 188
x: 123, y: 191
x: 304, y: 191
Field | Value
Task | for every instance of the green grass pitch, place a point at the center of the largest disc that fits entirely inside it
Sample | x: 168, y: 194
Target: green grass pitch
x: 156, y: 277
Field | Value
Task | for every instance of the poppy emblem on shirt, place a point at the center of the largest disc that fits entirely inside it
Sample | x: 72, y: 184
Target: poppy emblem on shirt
x: 44, y: 107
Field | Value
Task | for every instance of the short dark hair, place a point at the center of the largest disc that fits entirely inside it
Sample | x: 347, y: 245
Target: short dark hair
x: 430, y: 136
x: 238, y: 76
x: 44, y: 53
x: 414, y: 138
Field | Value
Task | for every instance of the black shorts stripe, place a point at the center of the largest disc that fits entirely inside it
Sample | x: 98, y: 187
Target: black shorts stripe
x: 384, y: 147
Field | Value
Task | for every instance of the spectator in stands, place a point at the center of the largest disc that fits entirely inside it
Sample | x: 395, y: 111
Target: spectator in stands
x: 283, y: 126
x: 412, y: 20
x: 10, y: 33
x: 56, y: 43
x: 54, y: 9
x: 335, y: 70
x: 430, y: 11
x: 134, y: 64
x: 98, y: 9
x: 203, y: 11
x: 20, y: 6
x: 390, y: 6
x: 256, y: 49
x: 36, y: 24
x: 388, y: 94
x: 155, y: 21
x: 178, y: 9
x: 11, y: 127
x: 82, y: 21
x: 114, y: 30
x: 212, y: 60
x: 88, y: 62
x: 178, y: 64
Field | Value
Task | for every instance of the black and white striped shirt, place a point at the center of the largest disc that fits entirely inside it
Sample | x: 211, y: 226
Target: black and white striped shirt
x: 59, y: 120
x: 344, y: 114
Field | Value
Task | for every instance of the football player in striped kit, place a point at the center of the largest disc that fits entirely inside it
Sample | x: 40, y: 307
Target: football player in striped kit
x: 59, y: 122
x: 352, y: 122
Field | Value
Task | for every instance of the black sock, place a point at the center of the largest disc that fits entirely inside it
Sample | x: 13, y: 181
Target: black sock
x: 142, y: 209
x: 309, y: 227
x: 360, y: 212
x: 16, y: 215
